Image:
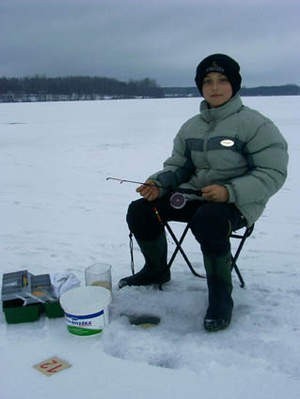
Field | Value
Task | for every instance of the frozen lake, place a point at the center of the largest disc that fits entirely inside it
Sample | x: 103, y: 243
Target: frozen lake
x: 58, y: 213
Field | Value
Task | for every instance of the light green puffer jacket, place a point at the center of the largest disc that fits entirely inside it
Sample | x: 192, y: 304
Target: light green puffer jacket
x: 231, y: 145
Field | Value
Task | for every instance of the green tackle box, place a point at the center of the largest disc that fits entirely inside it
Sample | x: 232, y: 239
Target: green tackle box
x: 15, y: 312
x: 25, y: 297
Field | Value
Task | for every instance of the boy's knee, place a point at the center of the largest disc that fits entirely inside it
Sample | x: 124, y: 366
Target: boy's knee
x: 135, y: 212
x: 142, y: 221
x: 211, y: 228
x: 210, y: 221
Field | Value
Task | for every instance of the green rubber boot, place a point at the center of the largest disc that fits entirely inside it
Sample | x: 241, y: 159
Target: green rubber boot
x: 219, y: 282
x: 155, y: 270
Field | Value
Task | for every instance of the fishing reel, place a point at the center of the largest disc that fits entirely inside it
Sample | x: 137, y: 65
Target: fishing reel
x: 178, y: 200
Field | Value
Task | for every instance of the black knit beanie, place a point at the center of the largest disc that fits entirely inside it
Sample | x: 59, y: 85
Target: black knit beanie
x: 219, y: 63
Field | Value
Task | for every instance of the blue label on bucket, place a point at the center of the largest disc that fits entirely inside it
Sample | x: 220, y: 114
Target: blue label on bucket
x: 89, y: 316
x: 94, y: 321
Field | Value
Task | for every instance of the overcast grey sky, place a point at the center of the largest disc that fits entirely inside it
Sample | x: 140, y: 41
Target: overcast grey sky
x: 160, y: 39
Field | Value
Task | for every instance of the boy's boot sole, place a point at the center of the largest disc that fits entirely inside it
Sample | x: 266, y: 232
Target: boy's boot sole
x: 214, y: 325
x: 145, y: 277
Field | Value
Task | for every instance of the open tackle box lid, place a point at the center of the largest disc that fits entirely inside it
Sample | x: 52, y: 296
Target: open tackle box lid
x: 27, y: 287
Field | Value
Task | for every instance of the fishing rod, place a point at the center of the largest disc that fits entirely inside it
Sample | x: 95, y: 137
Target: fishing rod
x: 129, y: 181
x: 177, y: 199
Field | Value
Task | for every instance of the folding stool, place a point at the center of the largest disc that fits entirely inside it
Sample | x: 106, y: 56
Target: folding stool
x: 178, y: 242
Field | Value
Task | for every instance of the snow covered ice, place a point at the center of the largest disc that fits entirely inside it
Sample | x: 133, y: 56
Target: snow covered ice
x: 59, y: 214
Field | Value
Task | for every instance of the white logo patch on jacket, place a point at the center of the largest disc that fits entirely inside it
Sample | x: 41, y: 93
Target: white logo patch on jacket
x: 227, y: 143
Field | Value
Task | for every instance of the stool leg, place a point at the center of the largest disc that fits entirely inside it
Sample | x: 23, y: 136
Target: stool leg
x: 179, y: 249
x: 178, y: 244
x: 237, y: 254
x: 238, y: 273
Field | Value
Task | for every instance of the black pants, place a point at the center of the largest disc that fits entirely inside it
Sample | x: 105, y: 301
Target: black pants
x: 210, y: 222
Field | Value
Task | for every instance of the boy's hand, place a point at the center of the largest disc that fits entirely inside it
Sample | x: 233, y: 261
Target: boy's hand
x: 215, y: 193
x: 149, y: 190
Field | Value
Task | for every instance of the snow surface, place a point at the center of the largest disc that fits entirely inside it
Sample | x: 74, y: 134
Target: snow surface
x: 59, y: 214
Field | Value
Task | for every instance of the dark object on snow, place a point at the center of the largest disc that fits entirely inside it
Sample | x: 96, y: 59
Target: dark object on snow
x: 144, y: 320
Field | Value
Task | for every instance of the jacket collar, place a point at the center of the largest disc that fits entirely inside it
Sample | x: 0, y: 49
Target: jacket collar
x: 213, y: 114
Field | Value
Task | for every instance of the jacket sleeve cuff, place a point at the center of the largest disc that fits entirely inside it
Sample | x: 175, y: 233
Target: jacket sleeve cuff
x: 231, y: 194
x: 162, y: 191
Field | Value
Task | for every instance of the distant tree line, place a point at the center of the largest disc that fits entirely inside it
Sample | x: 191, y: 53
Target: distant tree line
x: 285, y: 90
x: 40, y: 88
x: 77, y: 87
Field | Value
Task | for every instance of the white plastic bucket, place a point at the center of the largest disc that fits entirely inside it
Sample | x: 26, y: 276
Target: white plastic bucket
x: 86, y: 309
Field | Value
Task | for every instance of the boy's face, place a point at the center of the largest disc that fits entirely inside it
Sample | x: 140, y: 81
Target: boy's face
x: 216, y: 89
